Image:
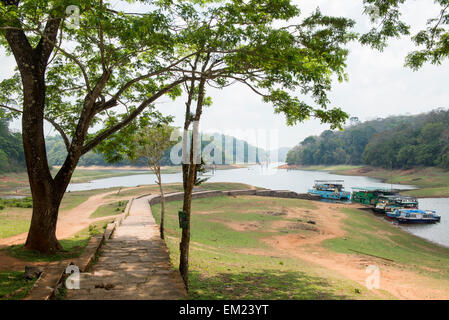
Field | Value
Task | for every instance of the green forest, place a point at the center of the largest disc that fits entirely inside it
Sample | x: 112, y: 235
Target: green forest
x: 56, y: 153
x: 12, y: 158
x: 399, y: 142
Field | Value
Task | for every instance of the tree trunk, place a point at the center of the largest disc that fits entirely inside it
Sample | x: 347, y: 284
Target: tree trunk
x: 189, y: 177
x: 184, y: 246
x: 32, y: 63
x: 42, y: 233
x: 161, y: 189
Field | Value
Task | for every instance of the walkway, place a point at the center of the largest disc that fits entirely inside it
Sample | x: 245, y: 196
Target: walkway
x: 133, y: 265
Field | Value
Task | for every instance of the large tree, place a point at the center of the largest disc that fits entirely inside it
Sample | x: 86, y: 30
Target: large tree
x: 90, y: 76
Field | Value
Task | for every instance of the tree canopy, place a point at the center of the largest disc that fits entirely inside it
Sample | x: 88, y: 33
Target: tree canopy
x: 432, y: 42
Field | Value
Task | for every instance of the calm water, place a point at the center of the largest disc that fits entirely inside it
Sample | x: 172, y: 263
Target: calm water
x: 294, y: 180
x: 272, y: 178
x: 438, y: 232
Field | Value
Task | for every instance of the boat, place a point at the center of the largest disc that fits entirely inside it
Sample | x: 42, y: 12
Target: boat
x: 390, y: 203
x: 370, y: 196
x: 414, y: 216
x: 330, y: 189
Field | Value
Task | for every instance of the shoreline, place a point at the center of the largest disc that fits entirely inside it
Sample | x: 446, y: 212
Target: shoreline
x: 430, y: 182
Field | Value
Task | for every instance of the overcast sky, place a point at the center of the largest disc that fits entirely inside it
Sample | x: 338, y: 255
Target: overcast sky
x: 379, y: 85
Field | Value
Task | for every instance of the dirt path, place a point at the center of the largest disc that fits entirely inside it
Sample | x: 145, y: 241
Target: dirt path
x: 70, y: 222
x: 397, y: 282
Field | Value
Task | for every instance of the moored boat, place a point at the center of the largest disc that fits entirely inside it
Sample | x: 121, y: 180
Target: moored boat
x: 370, y: 196
x: 414, y: 216
x: 330, y: 189
x: 387, y: 204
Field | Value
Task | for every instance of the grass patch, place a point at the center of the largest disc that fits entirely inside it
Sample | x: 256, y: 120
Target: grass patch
x: 14, y: 222
x: 14, y: 285
x: 71, y: 248
x: 208, y: 213
x: 218, y: 270
x: 368, y: 234
x: 110, y: 209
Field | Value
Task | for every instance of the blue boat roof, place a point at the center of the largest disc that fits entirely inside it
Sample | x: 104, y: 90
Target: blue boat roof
x: 415, y: 211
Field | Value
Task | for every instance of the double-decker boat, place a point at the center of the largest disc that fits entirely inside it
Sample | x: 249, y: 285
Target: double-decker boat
x: 370, y: 196
x: 330, y: 189
x: 414, y: 216
x: 394, y: 202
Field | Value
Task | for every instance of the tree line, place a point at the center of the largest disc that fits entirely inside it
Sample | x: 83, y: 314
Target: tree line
x: 57, y: 153
x: 12, y: 158
x: 399, y: 142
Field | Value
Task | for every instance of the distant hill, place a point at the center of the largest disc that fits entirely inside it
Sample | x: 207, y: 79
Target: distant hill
x: 56, y: 153
x: 12, y: 158
x: 397, y: 141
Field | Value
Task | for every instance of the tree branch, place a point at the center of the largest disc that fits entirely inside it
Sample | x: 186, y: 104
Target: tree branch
x: 133, y: 115
x: 53, y: 123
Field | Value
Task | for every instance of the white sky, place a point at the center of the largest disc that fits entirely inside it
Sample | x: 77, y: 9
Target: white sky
x: 379, y: 85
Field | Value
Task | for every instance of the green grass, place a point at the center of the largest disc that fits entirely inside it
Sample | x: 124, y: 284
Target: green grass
x: 71, y: 248
x: 442, y: 192
x: 219, y: 271
x: 13, y: 285
x: 13, y: 225
x: 177, y: 187
x: 369, y: 234
x: 110, y: 209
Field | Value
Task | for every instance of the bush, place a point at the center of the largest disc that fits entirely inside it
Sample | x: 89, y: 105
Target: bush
x: 17, y: 203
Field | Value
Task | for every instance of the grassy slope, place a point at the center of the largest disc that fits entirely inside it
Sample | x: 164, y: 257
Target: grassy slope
x: 366, y: 233
x: 431, y: 181
x: 14, y: 221
x: 110, y: 209
x: 219, y: 271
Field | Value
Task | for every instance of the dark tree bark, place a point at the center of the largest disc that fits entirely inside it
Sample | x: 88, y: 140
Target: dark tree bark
x: 32, y: 63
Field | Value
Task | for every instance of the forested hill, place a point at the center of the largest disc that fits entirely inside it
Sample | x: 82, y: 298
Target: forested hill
x: 56, y: 153
x: 12, y: 158
x: 397, y: 141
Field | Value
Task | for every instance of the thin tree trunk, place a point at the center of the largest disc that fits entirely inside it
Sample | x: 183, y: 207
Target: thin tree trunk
x: 184, y: 246
x: 161, y: 189
x: 189, y: 175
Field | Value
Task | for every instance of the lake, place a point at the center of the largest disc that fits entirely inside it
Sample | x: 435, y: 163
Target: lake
x: 270, y: 178
x: 295, y: 180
